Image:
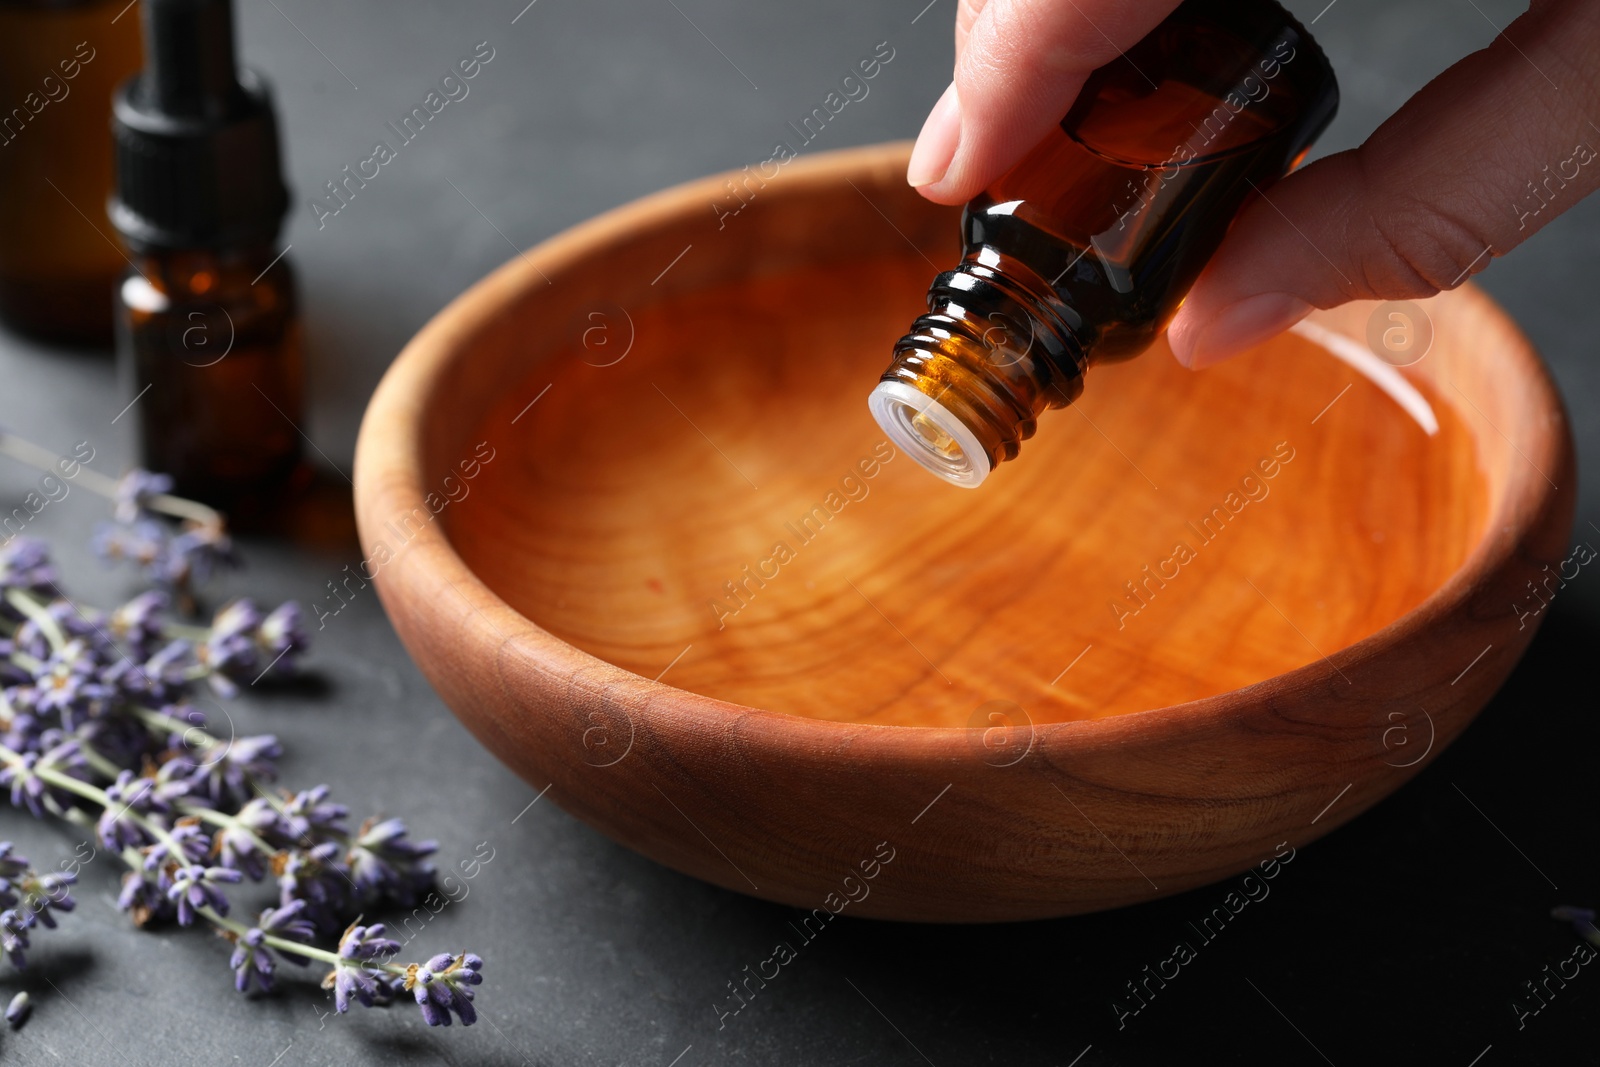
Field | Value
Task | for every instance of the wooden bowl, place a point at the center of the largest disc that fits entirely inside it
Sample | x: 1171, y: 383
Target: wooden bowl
x: 626, y: 507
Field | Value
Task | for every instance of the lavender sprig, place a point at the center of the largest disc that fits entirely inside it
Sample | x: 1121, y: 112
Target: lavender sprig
x: 27, y: 899
x: 177, y: 543
x: 96, y: 727
x: 359, y: 970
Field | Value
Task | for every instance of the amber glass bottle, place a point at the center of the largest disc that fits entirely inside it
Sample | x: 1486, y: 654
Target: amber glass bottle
x: 59, y: 62
x: 213, y: 343
x: 209, y: 333
x: 1083, y: 251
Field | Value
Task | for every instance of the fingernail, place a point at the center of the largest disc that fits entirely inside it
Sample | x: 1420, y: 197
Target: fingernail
x: 936, y: 144
x: 1240, y: 325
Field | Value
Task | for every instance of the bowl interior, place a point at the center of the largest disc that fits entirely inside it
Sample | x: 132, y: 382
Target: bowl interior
x: 698, y: 493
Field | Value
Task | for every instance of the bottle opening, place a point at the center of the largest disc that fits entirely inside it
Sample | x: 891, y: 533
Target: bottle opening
x: 929, y: 433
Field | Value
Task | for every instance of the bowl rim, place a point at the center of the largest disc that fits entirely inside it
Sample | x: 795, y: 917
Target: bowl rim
x: 388, y: 466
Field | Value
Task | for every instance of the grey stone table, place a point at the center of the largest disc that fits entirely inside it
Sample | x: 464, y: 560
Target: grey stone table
x: 1401, y: 938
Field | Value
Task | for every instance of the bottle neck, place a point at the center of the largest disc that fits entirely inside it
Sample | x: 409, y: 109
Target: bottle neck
x: 968, y: 382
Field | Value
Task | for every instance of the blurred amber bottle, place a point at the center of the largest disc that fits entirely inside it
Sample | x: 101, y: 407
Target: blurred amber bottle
x: 209, y: 332
x: 59, y: 62
x: 1082, y: 252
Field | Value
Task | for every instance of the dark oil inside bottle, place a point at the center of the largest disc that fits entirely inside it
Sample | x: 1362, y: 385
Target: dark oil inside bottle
x: 1119, y: 209
x: 215, y: 361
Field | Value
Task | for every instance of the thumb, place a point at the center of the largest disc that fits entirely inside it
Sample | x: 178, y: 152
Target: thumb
x: 1478, y: 161
x: 1020, y: 65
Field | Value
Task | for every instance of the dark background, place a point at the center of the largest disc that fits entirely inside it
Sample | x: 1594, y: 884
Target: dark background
x: 1401, y: 938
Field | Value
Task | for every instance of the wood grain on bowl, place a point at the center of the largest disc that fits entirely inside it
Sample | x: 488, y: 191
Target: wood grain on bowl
x: 689, y: 587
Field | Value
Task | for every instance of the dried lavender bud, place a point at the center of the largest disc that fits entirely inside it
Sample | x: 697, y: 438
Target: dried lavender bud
x: 444, y: 984
x: 135, y: 490
x: 288, y: 922
x: 367, y: 986
x: 310, y: 814
x: 138, y: 624
x: 225, y: 778
x: 192, y: 840
x: 383, y: 862
x: 239, y: 845
x: 200, y: 887
x: 18, y: 1010
x: 14, y: 936
x: 26, y: 568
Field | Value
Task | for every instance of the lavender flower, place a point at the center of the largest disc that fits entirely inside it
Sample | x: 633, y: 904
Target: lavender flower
x: 70, y: 621
x: 368, y: 986
x: 282, y: 637
x: 132, y: 796
x: 188, y: 836
x: 202, y: 549
x: 366, y: 942
x: 185, y: 746
x: 27, y: 897
x: 25, y: 567
x: 116, y: 739
x: 145, y: 898
x: 14, y: 937
x: 444, y: 984
x: 251, y: 958
x: 230, y: 653
x: 317, y: 877
x: 135, y: 490
x: 350, y: 978
x: 290, y: 923
x: 69, y: 686
x: 11, y: 672
x: 12, y: 868
x: 239, y: 845
x: 197, y: 887
x: 167, y: 672
x: 225, y: 779
x: 50, y: 892
x: 309, y: 813
x: 137, y: 624
x: 383, y: 862
x: 29, y: 790
x: 237, y: 618
x: 142, y: 542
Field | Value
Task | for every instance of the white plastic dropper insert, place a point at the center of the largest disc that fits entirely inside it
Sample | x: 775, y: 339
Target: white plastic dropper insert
x: 929, y: 433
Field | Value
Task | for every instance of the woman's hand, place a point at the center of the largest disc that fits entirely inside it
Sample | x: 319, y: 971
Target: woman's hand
x: 1480, y: 159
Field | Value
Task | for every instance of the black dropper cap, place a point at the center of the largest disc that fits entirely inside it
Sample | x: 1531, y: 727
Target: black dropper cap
x: 196, y: 139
